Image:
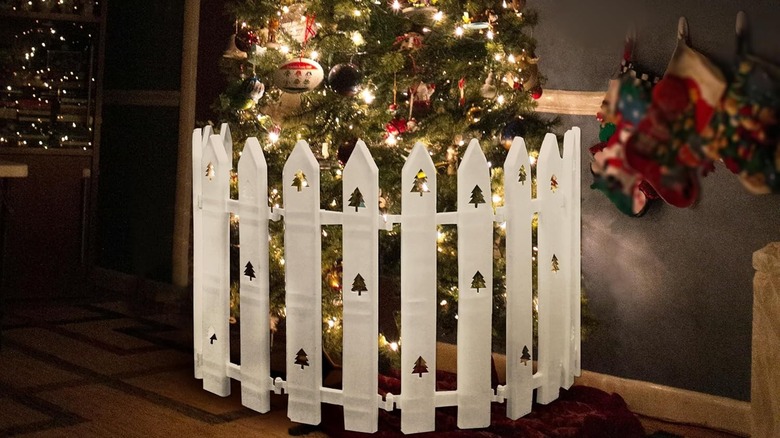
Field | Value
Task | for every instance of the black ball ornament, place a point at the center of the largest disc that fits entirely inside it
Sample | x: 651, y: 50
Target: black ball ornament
x: 514, y: 128
x: 345, y: 79
x: 345, y: 150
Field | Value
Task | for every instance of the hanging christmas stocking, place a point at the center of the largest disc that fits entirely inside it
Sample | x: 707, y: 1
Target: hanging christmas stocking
x: 746, y: 129
x: 668, y: 147
x: 626, y: 101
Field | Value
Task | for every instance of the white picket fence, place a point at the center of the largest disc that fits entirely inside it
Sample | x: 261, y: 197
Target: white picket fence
x: 558, y: 207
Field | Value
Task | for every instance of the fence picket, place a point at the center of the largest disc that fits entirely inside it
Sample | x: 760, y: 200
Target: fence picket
x: 360, y: 290
x: 519, y: 279
x: 552, y: 268
x: 215, y: 331
x: 570, y: 300
x: 418, y: 292
x: 254, y: 270
x: 197, y: 253
x: 475, y: 286
x: 572, y: 147
x: 303, y: 266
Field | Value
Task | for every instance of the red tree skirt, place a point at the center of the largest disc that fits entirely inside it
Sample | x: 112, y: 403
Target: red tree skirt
x: 581, y: 412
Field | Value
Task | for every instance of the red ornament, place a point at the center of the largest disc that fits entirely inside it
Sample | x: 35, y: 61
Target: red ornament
x: 396, y: 126
x: 536, y: 92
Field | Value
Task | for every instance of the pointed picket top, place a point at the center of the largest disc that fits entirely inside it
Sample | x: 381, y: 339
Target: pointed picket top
x: 549, y: 167
x: 361, y: 156
x: 207, y: 132
x: 360, y: 176
x: 252, y: 169
x: 301, y: 175
x: 517, y: 170
x: 571, y: 142
x: 215, y: 165
x: 474, y: 180
x: 227, y: 139
x: 419, y: 175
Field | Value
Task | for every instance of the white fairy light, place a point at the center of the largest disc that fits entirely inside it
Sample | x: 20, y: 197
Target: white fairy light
x: 458, y: 31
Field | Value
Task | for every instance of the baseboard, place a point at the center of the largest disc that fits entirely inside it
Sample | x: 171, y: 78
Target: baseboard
x: 674, y: 404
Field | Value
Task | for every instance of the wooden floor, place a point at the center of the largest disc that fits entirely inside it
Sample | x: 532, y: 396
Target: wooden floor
x: 117, y: 370
x: 101, y: 370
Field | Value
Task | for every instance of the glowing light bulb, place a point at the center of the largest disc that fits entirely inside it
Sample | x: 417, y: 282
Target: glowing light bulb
x: 285, y: 49
x: 314, y: 55
x: 511, y: 58
x: 394, y: 346
x: 396, y: 5
x: 490, y: 34
x: 438, y: 16
x: 273, y: 137
x: 458, y: 31
x: 367, y: 96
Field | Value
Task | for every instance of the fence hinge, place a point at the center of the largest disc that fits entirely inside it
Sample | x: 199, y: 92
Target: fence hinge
x: 278, y: 386
x: 500, y: 394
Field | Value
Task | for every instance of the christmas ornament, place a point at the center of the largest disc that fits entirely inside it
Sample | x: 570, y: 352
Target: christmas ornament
x: 233, y: 52
x: 397, y: 126
x: 345, y: 79
x: 474, y: 114
x: 514, y: 128
x: 245, y: 38
x: 345, y: 151
x: 299, y: 75
x: 421, y: 97
x: 249, y: 93
x: 536, y: 92
x: 529, y: 75
x: 488, y: 90
x: 411, y: 41
x: 253, y: 89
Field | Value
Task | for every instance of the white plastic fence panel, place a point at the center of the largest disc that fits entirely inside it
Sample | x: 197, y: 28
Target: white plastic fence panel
x: 475, y: 286
x: 552, y: 268
x: 360, y: 290
x: 254, y: 271
x: 215, y: 182
x: 571, y: 219
x: 303, y: 267
x: 418, y: 292
x: 519, y: 281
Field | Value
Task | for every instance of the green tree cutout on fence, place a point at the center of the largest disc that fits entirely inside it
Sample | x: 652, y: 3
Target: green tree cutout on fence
x: 210, y: 172
x: 477, y: 197
x: 249, y: 271
x: 420, y: 366
x: 356, y: 200
x: 478, y: 281
x: 555, y: 265
x: 523, y: 175
x: 420, y: 184
x: 359, y: 285
x: 526, y: 356
x: 301, y: 358
x: 299, y: 181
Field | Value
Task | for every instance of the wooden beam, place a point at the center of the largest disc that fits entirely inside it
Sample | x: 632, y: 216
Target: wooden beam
x: 183, y: 207
x: 586, y: 103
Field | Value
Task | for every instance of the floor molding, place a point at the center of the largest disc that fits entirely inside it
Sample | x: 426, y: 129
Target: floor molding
x: 674, y: 404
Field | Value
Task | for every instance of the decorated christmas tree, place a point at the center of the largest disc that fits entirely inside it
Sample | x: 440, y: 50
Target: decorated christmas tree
x: 391, y: 73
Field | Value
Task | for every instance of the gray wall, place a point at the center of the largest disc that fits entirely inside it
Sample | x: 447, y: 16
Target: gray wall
x: 672, y: 290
